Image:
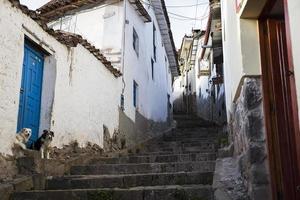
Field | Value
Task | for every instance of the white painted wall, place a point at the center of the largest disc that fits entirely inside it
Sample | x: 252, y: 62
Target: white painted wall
x: 152, y: 97
x: 202, y: 84
x: 85, y: 98
x: 82, y: 103
x: 233, y: 70
x: 101, y: 25
x: 240, y: 48
x: 294, y: 16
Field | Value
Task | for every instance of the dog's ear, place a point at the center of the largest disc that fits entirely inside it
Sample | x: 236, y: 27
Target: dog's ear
x: 52, y: 133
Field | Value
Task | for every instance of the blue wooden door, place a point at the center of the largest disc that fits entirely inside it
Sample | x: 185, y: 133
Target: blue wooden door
x: 30, y: 92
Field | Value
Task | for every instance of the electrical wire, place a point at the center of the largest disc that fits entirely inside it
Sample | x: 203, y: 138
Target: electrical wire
x: 171, y: 13
x: 186, y: 6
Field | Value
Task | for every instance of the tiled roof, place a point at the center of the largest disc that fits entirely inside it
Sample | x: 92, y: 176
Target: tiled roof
x: 58, y: 8
x: 68, y: 39
x: 163, y: 20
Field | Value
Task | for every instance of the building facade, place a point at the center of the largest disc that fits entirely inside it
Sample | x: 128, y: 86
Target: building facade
x: 261, y: 69
x: 131, y: 36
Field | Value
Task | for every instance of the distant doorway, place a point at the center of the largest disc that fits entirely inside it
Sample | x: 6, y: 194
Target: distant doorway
x: 281, y: 112
x: 31, y: 90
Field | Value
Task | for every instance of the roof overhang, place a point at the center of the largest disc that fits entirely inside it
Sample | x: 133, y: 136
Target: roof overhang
x: 167, y: 36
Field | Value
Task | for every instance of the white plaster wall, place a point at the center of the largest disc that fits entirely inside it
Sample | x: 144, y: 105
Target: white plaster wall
x: 201, y: 82
x: 81, y: 104
x: 48, y: 88
x: 86, y: 97
x: 240, y: 48
x: 101, y: 25
x: 294, y: 16
x: 178, y: 89
x: 233, y: 70
x: 250, y: 46
x: 152, y: 97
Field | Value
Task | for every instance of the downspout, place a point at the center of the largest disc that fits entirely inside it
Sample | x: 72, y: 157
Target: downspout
x: 123, y: 53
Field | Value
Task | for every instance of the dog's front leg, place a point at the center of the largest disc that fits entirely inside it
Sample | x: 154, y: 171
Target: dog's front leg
x: 23, y: 146
x: 42, y: 153
x: 48, y: 154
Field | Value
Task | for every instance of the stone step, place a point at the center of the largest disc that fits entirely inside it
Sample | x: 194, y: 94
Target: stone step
x: 178, y: 149
x: 141, y: 153
x: 166, y: 153
x: 143, y: 168
x: 168, y: 192
x: 193, y: 124
x: 185, y: 143
x: 157, y: 158
x: 195, y: 130
x: 181, y: 145
x: 129, y: 180
x: 187, y: 140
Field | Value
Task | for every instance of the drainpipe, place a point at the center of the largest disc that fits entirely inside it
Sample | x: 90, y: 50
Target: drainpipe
x: 123, y: 52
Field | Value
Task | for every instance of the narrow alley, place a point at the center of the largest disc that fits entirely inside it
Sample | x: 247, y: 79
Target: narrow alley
x: 149, y: 100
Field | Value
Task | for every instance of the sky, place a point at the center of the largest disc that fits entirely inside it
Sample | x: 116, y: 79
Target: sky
x: 182, y: 15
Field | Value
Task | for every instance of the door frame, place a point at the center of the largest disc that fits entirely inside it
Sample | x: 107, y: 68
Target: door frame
x: 287, y: 185
x: 33, y: 47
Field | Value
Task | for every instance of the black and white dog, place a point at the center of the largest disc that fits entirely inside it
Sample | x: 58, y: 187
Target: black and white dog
x: 43, y: 144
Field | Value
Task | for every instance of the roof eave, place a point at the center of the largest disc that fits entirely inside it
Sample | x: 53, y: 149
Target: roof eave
x: 167, y: 36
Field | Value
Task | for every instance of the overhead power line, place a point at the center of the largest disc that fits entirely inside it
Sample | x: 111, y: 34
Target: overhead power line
x: 186, y: 6
x: 171, y: 13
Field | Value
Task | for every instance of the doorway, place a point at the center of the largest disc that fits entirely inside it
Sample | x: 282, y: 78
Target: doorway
x: 31, y: 90
x: 279, y: 99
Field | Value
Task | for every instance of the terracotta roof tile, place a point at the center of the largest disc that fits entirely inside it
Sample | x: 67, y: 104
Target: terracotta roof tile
x: 58, y: 8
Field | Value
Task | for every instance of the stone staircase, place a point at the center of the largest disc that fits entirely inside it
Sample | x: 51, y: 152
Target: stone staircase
x: 179, y: 166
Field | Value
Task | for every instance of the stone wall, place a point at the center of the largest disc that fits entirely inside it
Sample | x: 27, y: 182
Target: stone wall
x: 247, y: 133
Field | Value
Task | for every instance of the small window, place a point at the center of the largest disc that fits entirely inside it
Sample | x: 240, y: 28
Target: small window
x: 152, y: 69
x: 135, y: 42
x: 154, y: 42
x: 135, y: 94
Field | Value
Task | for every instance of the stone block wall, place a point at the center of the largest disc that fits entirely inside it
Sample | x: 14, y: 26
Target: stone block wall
x: 247, y: 133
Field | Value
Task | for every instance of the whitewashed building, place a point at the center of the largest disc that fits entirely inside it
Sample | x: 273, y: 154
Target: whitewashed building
x: 135, y: 36
x: 106, y: 68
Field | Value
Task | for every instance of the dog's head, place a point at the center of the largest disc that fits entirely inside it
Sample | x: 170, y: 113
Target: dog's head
x: 48, y: 135
x: 26, y: 133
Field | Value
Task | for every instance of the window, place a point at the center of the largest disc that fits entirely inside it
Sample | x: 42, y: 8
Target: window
x: 154, y: 42
x: 135, y: 94
x: 152, y: 69
x: 135, y: 42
